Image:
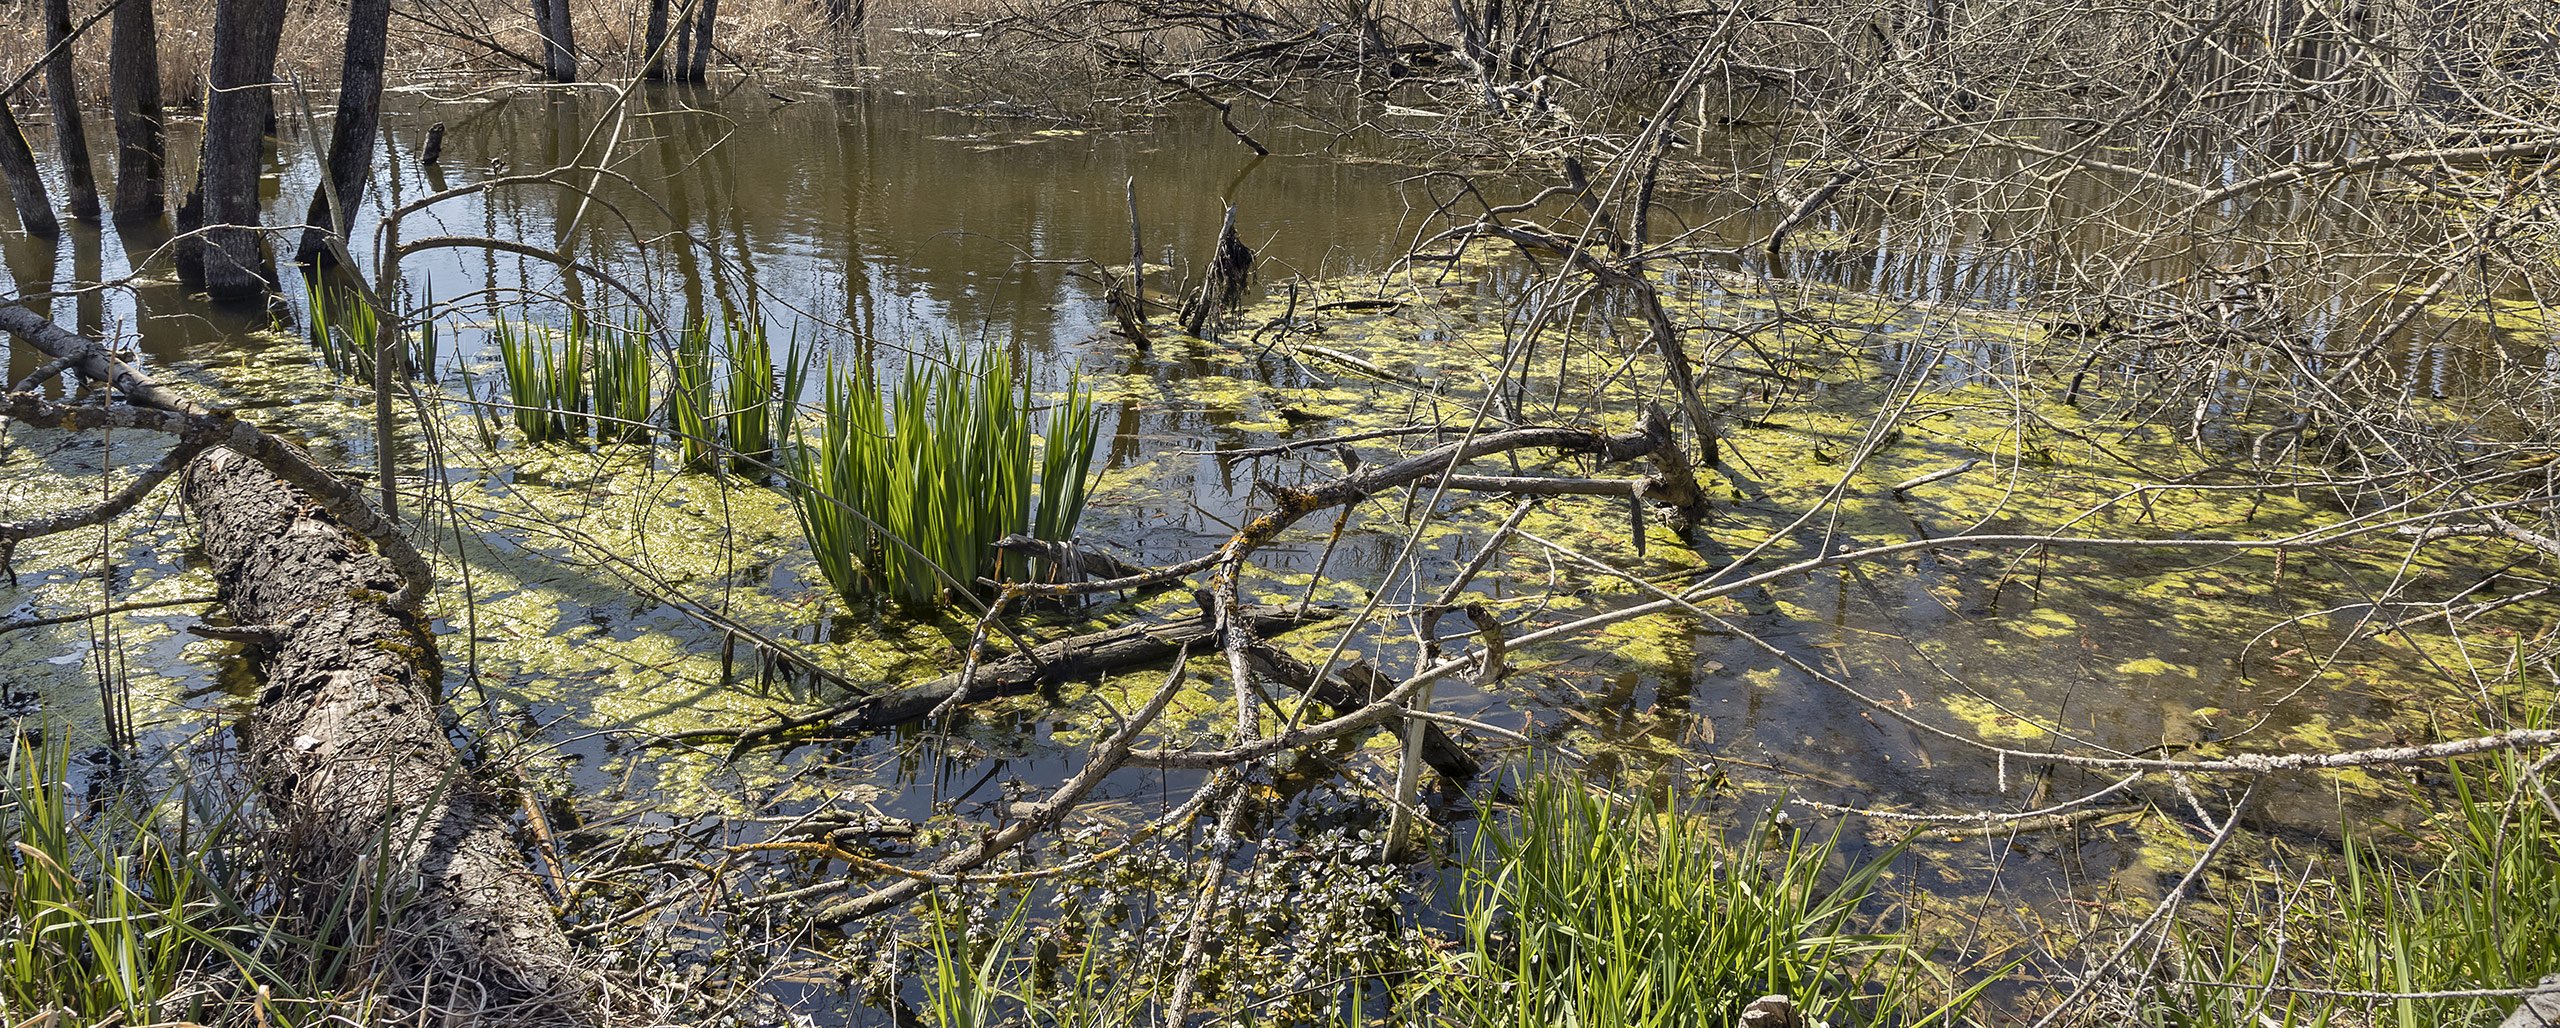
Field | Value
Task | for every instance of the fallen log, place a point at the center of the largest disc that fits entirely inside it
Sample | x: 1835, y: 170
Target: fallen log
x: 352, y: 760
x: 1014, y: 674
x: 367, y: 799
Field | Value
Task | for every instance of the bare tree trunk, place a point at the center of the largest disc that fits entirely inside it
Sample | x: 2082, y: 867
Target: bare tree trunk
x: 133, y: 92
x: 351, y: 137
x: 26, y: 184
x: 559, y: 43
x: 188, y: 247
x: 684, y: 43
x: 70, y: 141
x: 237, y: 104
x: 702, y: 40
x: 656, y: 41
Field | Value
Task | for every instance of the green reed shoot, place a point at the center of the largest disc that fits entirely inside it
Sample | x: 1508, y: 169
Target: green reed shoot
x: 343, y: 328
x: 1066, y: 465
x: 2467, y: 904
x: 753, y: 414
x: 546, y: 379
x: 96, y: 926
x: 690, y: 412
x: 940, y: 461
x: 619, y: 378
x: 1590, y: 911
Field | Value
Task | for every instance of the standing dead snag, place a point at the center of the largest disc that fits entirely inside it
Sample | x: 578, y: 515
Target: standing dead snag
x: 236, y: 109
x: 351, y: 135
x: 70, y: 140
x: 133, y: 92
x: 26, y: 183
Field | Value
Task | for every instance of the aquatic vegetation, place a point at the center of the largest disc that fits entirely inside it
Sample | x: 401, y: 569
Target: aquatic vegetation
x: 343, y: 329
x: 904, y: 492
x: 757, y: 412
x: 1586, y: 910
x: 690, y: 410
x: 2473, y: 909
x: 619, y: 377
x: 137, y: 912
x: 546, y: 379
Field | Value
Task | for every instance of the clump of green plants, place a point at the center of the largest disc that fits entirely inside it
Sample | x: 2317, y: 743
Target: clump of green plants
x: 2469, y: 904
x: 343, y: 329
x: 618, y: 376
x: 1588, y: 910
x: 97, y: 929
x: 691, y: 413
x: 546, y: 379
x: 750, y: 416
x: 908, y: 485
x: 134, y: 910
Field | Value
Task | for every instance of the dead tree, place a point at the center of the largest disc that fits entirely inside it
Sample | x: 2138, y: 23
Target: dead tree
x: 238, y: 107
x: 26, y: 184
x: 351, y: 136
x: 70, y: 139
x: 133, y: 97
x: 350, y: 756
x: 701, y: 58
x: 654, y: 56
x: 559, y: 41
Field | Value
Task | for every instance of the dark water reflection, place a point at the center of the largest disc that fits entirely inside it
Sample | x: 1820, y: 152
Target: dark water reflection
x: 851, y: 214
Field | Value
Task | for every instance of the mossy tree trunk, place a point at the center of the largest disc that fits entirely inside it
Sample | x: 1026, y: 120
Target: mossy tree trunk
x: 369, y: 801
x: 352, y: 758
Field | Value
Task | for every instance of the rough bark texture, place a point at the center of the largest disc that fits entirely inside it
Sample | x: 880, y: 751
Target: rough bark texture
x: 656, y: 41
x: 559, y: 44
x: 351, y: 135
x: 236, y: 109
x: 70, y: 140
x: 352, y: 759
x: 702, y: 41
x: 345, y: 743
x: 133, y: 92
x: 26, y: 184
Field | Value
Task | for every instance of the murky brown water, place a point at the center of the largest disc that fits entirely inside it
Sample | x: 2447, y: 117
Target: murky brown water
x: 858, y: 211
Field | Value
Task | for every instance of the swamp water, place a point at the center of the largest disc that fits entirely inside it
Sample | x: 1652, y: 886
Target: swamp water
x: 580, y: 585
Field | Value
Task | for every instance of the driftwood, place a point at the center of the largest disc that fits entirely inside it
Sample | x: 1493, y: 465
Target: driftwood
x: 1011, y: 675
x: 346, y: 745
x: 1442, y: 752
x: 1079, y: 562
